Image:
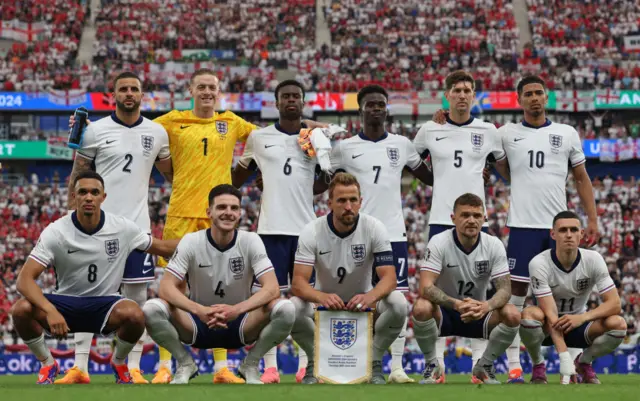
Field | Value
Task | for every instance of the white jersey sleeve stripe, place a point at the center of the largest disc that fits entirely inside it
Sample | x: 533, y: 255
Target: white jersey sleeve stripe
x: 543, y: 294
x: 431, y: 269
x: 84, y: 156
x: 500, y: 274
x: 502, y: 158
x: 175, y: 273
x: 607, y: 289
x: 304, y: 262
x: 150, y: 243
x: 38, y: 260
x: 583, y: 161
x: 164, y: 158
x: 269, y: 269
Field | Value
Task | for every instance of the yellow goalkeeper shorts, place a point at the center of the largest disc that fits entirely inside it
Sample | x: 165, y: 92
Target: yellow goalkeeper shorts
x: 178, y: 227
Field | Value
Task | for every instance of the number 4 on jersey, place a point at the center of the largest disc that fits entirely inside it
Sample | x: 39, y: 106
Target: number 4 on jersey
x: 219, y: 291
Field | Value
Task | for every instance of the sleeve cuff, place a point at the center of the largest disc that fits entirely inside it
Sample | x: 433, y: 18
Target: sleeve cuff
x: 430, y: 269
x: 37, y: 259
x: 583, y: 161
x: 175, y: 273
x: 305, y: 262
x: 269, y: 269
x: 610, y: 287
x: 84, y: 156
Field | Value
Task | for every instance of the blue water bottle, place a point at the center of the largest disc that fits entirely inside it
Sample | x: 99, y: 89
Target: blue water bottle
x: 76, y: 132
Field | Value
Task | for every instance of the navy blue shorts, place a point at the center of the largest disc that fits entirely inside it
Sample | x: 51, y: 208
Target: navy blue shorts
x: 229, y: 338
x: 576, y: 338
x: 139, y: 268
x: 524, y: 244
x: 435, y: 229
x: 452, y: 325
x: 85, y: 314
x: 400, y: 257
x: 281, y: 250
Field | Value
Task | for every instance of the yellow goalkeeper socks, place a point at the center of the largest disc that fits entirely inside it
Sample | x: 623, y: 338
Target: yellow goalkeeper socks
x: 220, y: 358
x: 165, y: 358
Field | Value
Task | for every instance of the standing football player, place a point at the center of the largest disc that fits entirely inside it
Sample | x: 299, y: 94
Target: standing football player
x: 329, y: 242
x: 454, y: 278
x: 219, y: 265
x: 123, y: 148
x: 541, y: 154
x: 288, y: 177
x: 459, y: 150
x: 88, y: 250
x: 562, y: 281
x: 377, y: 159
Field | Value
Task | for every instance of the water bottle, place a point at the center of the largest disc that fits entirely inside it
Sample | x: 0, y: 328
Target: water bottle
x: 77, y: 130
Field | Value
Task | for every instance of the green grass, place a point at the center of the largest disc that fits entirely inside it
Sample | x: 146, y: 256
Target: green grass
x: 458, y: 388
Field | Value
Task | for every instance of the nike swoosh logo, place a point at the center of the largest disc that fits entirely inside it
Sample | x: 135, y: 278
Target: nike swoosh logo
x: 518, y: 139
x: 111, y: 141
x: 439, y: 139
x: 184, y: 126
x: 268, y: 146
x: 448, y: 265
x: 70, y: 251
x: 356, y: 156
x: 324, y: 253
x: 146, y: 271
x: 199, y: 265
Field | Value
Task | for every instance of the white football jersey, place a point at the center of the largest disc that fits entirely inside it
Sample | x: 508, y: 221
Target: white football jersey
x: 287, y: 175
x: 378, y: 168
x: 89, y: 264
x: 458, y: 157
x: 461, y: 274
x: 124, y: 156
x: 219, y: 276
x: 539, y: 160
x: 569, y: 288
x: 344, y: 263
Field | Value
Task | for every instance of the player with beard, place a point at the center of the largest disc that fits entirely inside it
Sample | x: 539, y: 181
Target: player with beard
x: 123, y: 148
x: 288, y: 177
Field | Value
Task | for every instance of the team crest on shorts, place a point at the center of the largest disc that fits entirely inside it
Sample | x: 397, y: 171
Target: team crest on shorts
x: 482, y: 267
x: 222, y: 127
x: 358, y: 252
x: 236, y: 265
x: 582, y: 284
x: 147, y: 142
x: 344, y: 332
x: 477, y: 140
x: 555, y: 140
x: 512, y: 263
x: 394, y: 156
x: 112, y: 247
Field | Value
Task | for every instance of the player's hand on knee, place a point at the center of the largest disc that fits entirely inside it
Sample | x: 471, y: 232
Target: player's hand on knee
x: 332, y: 302
x: 360, y: 302
x: 57, y: 324
x: 569, y: 322
x: 476, y: 311
x: 225, y: 312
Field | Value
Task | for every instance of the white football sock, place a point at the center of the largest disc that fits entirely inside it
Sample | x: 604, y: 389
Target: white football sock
x: 603, y: 345
x: 499, y: 339
x: 574, y: 352
x: 303, y: 330
x: 163, y: 332
x: 393, y: 313
x: 426, y: 335
x: 121, y: 351
x: 397, y: 348
x: 271, y: 358
x: 276, y: 331
x: 133, y: 362
x: 532, y: 336
x: 513, y: 351
x: 83, y: 348
x: 40, y: 350
x: 302, y: 359
x: 441, y: 346
x: 478, y: 346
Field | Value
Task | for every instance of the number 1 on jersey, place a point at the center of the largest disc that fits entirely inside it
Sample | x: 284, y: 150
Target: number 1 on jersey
x: 205, y: 142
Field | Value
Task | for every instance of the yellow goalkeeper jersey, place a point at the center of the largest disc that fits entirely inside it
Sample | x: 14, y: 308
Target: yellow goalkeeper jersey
x: 202, y: 155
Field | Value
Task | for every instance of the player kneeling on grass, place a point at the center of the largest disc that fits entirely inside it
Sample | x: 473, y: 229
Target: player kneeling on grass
x: 219, y: 265
x: 454, y: 277
x: 345, y: 247
x: 562, y: 280
x: 88, y: 250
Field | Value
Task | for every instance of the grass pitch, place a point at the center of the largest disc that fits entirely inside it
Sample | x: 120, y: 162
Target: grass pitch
x: 458, y: 388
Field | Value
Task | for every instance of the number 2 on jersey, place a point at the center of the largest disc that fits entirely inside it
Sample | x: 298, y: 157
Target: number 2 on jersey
x: 219, y: 291
x: 129, y: 159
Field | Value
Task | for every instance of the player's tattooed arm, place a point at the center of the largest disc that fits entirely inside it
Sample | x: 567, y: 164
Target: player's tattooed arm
x: 438, y: 297
x: 80, y: 164
x: 503, y: 292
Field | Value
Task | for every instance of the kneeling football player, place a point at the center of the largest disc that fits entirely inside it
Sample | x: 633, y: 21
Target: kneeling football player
x: 454, y: 277
x: 562, y: 280
x: 219, y: 265
x: 343, y: 281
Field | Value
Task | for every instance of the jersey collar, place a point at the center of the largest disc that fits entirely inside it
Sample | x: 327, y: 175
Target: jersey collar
x: 338, y: 234
x: 469, y: 121
x: 366, y: 138
x: 459, y: 245
x: 556, y: 262
x: 279, y: 128
x: 76, y: 222
x: 547, y: 123
x: 119, y: 121
x: 226, y: 248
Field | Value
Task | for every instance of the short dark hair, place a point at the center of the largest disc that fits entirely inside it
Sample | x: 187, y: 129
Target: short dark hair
x: 88, y: 174
x: 202, y: 71
x: 468, y: 199
x: 530, y: 79
x: 343, y: 179
x: 457, y: 77
x: 289, y: 82
x: 124, y: 75
x: 224, y: 189
x: 369, y: 89
x: 566, y: 214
